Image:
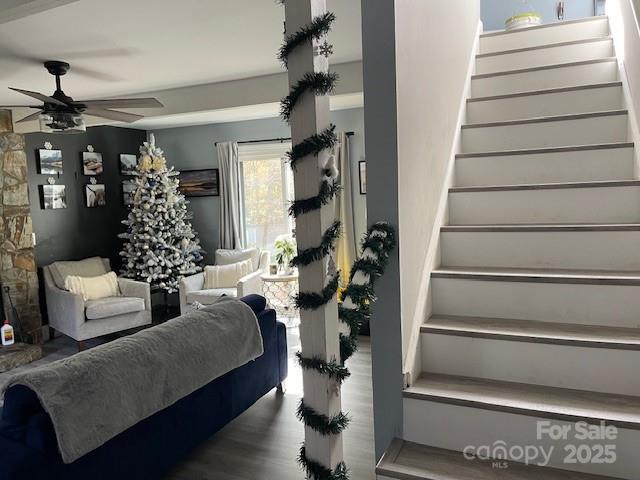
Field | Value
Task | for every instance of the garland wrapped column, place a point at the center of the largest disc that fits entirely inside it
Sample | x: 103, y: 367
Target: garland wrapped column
x: 306, y: 108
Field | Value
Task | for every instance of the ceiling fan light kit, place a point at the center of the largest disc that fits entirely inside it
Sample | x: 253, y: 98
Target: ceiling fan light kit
x: 62, y: 114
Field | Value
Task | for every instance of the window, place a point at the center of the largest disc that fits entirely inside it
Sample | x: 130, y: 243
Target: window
x: 267, y: 190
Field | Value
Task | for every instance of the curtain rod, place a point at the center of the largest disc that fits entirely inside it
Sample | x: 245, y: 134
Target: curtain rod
x: 279, y: 139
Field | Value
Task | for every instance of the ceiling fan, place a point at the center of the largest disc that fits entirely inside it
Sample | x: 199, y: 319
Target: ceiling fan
x: 62, y: 114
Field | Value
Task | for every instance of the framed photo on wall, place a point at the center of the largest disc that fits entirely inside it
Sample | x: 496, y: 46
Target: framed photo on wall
x: 95, y: 195
x: 200, y: 183
x: 128, y: 189
x: 49, y: 161
x: 128, y: 164
x: 362, y: 176
x: 92, y: 163
x: 53, y: 197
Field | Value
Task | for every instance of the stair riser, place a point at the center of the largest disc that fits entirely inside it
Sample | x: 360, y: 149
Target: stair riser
x: 545, y: 36
x: 561, y: 103
x: 570, y: 250
x: 594, y: 369
x: 575, y: 166
x: 569, y: 76
x: 545, y: 56
x: 561, y: 133
x: 458, y: 427
x: 562, y: 205
x: 613, y: 305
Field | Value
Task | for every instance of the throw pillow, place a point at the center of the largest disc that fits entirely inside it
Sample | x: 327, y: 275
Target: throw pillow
x: 226, y: 276
x: 227, y: 257
x: 93, y: 288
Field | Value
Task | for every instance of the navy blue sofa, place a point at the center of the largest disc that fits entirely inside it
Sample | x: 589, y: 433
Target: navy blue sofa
x: 149, y: 449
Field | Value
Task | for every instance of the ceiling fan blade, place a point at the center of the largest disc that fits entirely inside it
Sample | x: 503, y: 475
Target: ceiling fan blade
x: 28, y: 118
x: 113, y: 114
x: 39, y: 96
x: 123, y: 103
x: 20, y: 106
x: 95, y: 74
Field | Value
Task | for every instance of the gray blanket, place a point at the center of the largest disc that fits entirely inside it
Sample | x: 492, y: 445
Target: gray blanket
x: 93, y: 396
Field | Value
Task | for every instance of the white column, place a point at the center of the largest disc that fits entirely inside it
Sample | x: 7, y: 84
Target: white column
x: 319, y: 328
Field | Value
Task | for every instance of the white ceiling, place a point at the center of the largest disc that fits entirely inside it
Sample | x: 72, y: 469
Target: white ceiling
x: 132, y: 46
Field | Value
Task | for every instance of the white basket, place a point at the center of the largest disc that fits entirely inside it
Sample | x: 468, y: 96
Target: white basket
x: 522, y: 20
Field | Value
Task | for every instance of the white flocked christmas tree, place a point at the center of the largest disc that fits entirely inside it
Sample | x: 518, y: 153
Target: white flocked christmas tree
x: 160, y: 244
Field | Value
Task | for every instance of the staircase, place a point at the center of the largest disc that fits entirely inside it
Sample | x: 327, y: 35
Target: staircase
x: 536, y: 304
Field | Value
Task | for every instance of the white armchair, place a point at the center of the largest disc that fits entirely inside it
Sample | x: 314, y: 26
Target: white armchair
x: 72, y: 316
x: 192, y: 287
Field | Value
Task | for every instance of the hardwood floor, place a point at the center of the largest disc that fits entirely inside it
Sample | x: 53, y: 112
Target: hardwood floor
x: 263, y: 443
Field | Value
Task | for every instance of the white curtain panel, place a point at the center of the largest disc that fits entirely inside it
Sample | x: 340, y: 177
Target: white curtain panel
x: 231, y: 231
x: 347, y: 243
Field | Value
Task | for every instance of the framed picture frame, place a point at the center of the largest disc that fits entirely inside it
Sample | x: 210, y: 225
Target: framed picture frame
x: 53, y: 197
x: 49, y: 161
x: 362, y: 176
x: 92, y: 164
x: 95, y: 195
x: 128, y: 188
x: 128, y: 164
x: 200, y: 183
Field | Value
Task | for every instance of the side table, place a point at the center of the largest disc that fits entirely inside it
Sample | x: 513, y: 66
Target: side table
x: 279, y: 291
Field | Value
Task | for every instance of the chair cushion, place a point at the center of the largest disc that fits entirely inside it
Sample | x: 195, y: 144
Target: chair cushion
x: 206, y: 297
x: 112, y: 306
x: 226, y: 276
x: 93, y: 288
x: 89, y: 267
x: 226, y: 257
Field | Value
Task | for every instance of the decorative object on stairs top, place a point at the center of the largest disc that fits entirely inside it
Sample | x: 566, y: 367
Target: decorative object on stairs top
x: 160, y: 246
x: 62, y: 114
x: 325, y: 343
x: 528, y: 18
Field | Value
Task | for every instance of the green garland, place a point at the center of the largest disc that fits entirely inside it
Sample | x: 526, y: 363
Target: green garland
x: 379, y: 240
x: 321, y: 423
x: 313, y: 145
x: 313, y: 254
x: 313, y: 300
x: 316, y: 471
x: 328, y: 190
x: 320, y: 83
x: 354, y: 317
x: 331, y: 369
x: 318, y: 27
x: 348, y: 346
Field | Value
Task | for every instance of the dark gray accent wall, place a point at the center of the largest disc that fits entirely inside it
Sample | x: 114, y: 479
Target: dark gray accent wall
x: 380, y: 115
x: 189, y: 148
x: 78, y: 232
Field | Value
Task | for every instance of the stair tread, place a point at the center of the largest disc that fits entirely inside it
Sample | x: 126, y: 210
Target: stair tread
x: 607, y: 38
x: 495, y: 33
x: 543, y: 67
x: 548, y: 118
x: 543, y: 150
x: 544, y: 227
x: 528, y: 399
x: 547, y: 186
x: 542, y: 275
x: 534, y: 330
x: 413, y: 461
x: 546, y: 91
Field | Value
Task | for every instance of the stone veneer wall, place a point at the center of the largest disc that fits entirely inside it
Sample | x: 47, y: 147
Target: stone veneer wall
x: 17, y: 260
